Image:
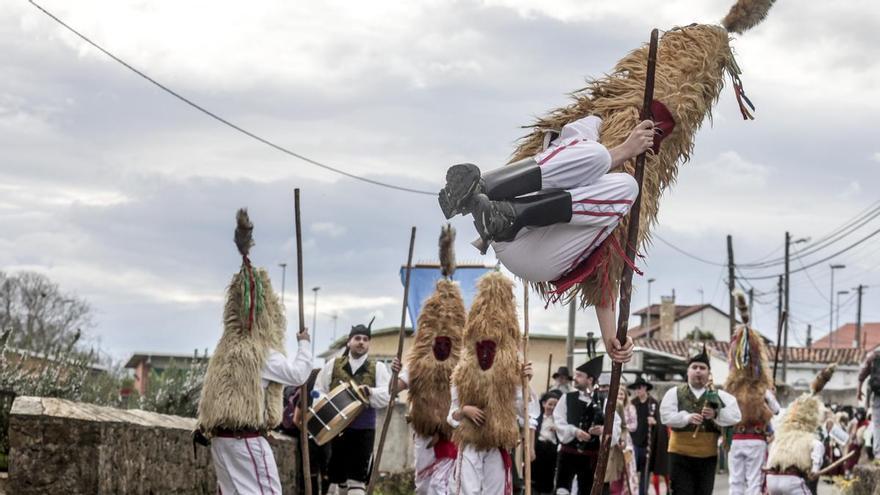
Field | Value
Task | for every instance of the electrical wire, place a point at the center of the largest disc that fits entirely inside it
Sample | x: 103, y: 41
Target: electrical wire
x: 225, y: 121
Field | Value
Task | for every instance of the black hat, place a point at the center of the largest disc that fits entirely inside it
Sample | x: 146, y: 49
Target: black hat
x: 640, y: 381
x: 361, y: 329
x: 592, y: 368
x: 562, y: 371
x: 702, y: 357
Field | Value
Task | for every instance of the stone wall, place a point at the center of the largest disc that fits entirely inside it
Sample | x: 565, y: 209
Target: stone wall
x: 59, y: 446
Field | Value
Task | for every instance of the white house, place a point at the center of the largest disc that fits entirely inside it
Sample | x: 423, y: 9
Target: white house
x: 670, y: 321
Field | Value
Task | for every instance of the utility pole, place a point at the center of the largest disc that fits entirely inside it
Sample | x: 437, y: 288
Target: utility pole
x: 751, y: 302
x: 730, y: 285
x: 809, y: 336
x: 786, y: 309
x: 858, y: 340
x: 648, y: 322
x: 569, y: 338
x: 779, y: 337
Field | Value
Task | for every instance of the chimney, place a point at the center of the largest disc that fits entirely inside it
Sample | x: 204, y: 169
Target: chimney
x: 667, y: 317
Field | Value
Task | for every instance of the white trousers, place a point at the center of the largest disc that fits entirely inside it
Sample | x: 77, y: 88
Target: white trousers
x: 480, y: 472
x: 245, y: 466
x: 576, y: 162
x: 786, y: 484
x: 745, y: 460
x: 432, y: 476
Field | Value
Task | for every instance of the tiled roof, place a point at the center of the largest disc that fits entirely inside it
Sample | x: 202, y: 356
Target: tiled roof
x: 683, y: 349
x: 845, y: 335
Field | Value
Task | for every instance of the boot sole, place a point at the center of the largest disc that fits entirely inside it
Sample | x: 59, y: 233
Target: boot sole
x: 461, y: 182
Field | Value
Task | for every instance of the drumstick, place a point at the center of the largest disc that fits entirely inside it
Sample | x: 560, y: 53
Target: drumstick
x: 304, y: 390
x: 393, y: 385
x: 526, y: 395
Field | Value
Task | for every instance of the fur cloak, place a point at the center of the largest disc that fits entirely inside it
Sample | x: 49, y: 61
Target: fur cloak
x: 793, y: 442
x: 692, y: 62
x: 492, y: 318
x: 232, y: 394
x: 749, y: 377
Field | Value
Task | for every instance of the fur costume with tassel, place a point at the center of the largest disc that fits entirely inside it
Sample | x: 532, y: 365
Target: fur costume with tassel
x: 793, y: 442
x: 253, y: 324
x: 692, y: 62
x: 492, y: 318
x: 749, y: 377
x: 442, y: 317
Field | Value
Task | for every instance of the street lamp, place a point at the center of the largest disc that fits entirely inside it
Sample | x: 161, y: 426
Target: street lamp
x: 283, y: 277
x: 648, y: 323
x: 831, y: 306
x: 837, y: 319
x: 314, y: 318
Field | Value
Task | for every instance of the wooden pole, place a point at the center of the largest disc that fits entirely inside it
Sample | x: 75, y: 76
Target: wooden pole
x: 549, y: 371
x: 304, y: 390
x: 526, y: 396
x: 626, y: 280
x: 392, y: 386
x: 652, y: 407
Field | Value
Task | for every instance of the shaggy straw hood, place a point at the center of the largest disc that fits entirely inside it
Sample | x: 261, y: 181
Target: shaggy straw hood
x: 749, y: 377
x: 436, y: 349
x: 491, y: 323
x: 692, y: 62
x: 253, y: 324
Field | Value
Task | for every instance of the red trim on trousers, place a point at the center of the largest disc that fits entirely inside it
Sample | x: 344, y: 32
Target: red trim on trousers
x: 604, y: 201
x: 556, y: 151
x: 254, y: 463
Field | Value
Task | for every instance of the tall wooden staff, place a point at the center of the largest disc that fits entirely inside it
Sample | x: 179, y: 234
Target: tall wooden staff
x: 549, y: 371
x: 393, y: 385
x: 526, y: 396
x: 652, y: 408
x: 626, y: 278
x: 304, y: 390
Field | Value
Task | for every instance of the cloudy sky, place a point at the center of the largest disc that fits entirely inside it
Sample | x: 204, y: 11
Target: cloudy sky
x: 126, y: 196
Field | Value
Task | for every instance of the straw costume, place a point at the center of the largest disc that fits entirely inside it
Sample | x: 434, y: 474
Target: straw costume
x: 693, y: 445
x: 750, y: 382
x: 556, y: 215
x: 796, y: 453
x: 427, y: 374
x: 242, y: 393
x: 488, y: 377
x: 351, y: 450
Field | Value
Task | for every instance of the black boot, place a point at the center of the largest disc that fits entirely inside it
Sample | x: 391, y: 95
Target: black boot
x: 501, y: 220
x: 464, y: 181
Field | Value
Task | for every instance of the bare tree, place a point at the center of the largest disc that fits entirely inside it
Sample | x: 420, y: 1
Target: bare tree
x: 38, y: 313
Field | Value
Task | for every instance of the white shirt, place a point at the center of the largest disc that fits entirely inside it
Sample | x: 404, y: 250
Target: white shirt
x: 379, y: 395
x: 817, y: 455
x: 772, y: 403
x: 547, y: 434
x: 294, y: 372
x: 728, y: 415
x: 533, y: 408
x: 567, y: 432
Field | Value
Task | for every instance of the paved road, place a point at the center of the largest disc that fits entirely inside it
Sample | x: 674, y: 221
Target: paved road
x: 722, y: 488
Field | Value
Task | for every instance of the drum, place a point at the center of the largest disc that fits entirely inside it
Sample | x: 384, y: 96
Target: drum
x: 332, y: 413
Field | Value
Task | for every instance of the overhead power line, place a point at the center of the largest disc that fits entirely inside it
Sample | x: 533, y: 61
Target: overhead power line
x: 804, y: 267
x: 225, y: 121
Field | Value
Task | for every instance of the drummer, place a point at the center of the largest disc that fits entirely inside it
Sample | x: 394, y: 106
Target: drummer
x: 350, y: 452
